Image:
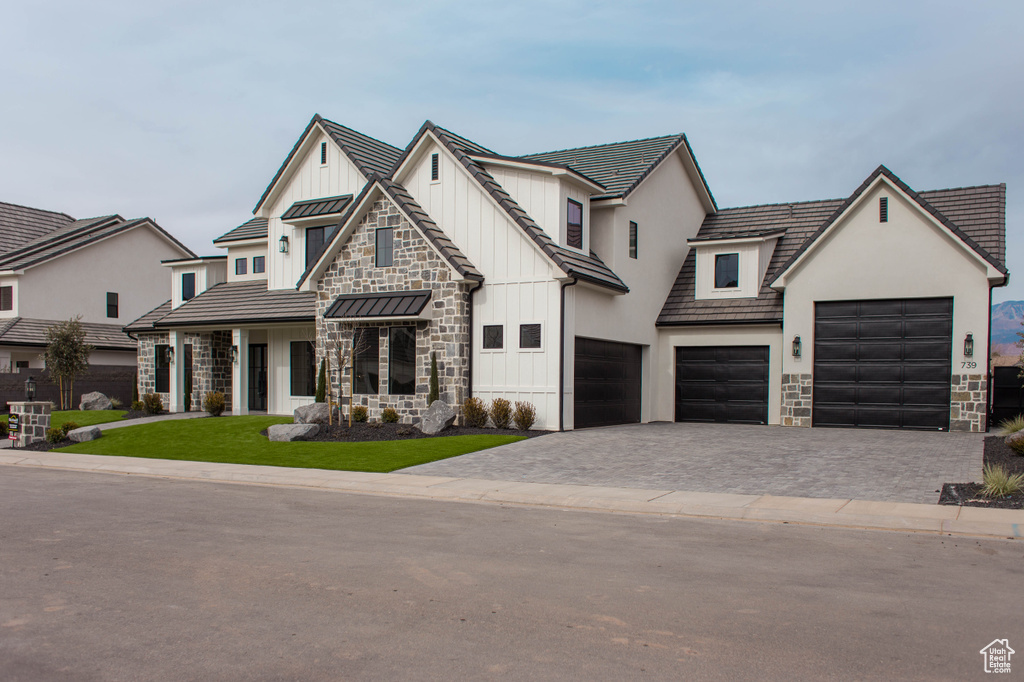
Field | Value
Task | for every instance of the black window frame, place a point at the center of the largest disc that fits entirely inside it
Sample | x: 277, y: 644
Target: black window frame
x: 7, y: 298
x: 384, y: 254
x: 366, y: 361
x: 488, y: 337
x: 302, y: 369
x: 723, y: 275
x: 397, y: 343
x: 241, y: 266
x: 526, y: 330
x: 189, y: 277
x: 112, y: 301
x: 633, y: 238
x: 314, y: 235
x: 435, y: 167
x: 261, y: 261
x: 573, y: 231
x: 161, y: 369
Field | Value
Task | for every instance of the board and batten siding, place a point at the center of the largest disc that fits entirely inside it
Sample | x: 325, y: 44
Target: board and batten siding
x: 545, y: 199
x: 519, y: 285
x: 309, y: 180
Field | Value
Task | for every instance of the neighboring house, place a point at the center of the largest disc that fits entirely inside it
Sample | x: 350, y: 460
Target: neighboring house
x: 602, y: 284
x: 53, y: 268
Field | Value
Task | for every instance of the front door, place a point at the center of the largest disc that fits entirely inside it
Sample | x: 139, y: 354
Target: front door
x: 258, y: 377
x: 187, y: 389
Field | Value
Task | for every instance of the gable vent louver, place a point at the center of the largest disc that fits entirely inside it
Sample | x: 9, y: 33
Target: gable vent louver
x: 323, y: 153
x: 435, y: 170
x: 883, y: 209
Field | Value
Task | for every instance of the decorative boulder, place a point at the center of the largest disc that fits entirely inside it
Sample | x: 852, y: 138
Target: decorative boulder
x: 316, y: 413
x: 438, y: 417
x: 1015, y: 441
x: 290, y: 432
x: 95, y: 401
x: 80, y: 435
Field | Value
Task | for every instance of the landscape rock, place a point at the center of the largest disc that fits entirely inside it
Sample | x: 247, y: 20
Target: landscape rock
x: 317, y: 413
x: 95, y: 401
x: 438, y: 417
x: 291, y: 432
x: 1015, y: 441
x: 84, y: 433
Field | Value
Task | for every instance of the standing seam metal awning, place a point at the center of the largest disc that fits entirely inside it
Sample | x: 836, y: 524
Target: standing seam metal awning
x: 383, y: 304
x: 317, y: 207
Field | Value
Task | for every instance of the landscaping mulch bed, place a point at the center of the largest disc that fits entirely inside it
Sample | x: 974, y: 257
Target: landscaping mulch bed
x: 43, y: 446
x: 997, y: 453
x: 379, y: 431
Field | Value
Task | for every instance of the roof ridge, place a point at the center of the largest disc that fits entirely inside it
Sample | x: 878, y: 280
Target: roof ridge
x: 780, y: 204
x: 41, y: 210
x: 1001, y: 185
x: 463, y: 138
x: 41, y: 243
x: 604, y: 144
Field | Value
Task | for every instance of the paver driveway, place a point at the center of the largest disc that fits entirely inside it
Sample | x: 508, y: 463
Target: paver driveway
x: 892, y: 466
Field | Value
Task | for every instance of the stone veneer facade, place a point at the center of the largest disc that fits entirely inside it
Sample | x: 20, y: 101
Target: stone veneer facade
x: 968, y: 403
x: 416, y: 266
x: 34, y: 419
x: 796, y: 399
x: 211, y: 364
x: 147, y: 364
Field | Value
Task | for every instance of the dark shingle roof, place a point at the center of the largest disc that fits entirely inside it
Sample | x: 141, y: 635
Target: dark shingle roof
x: 145, y: 323
x: 24, y: 331
x: 242, y: 302
x: 381, y: 304
x: 312, y: 208
x: 20, y: 225
x: 981, y: 209
x: 251, y: 229
x: 619, y: 166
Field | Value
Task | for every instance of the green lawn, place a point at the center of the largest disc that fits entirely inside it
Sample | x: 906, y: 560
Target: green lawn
x: 81, y: 417
x: 237, y: 440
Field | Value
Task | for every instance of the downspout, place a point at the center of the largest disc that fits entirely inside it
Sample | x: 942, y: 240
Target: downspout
x: 561, y: 358
x: 469, y: 373
x: 989, y: 378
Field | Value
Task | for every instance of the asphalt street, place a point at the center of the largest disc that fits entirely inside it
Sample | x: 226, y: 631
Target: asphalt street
x: 114, y: 577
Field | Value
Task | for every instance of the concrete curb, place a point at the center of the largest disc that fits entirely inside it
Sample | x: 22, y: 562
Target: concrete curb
x: 840, y: 513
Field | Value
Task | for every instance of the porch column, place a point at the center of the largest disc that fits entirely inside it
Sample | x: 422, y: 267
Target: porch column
x: 240, y: 372
x: 176, y: 385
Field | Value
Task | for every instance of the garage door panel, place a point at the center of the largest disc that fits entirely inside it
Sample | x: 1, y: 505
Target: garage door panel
x: 869, y: 309
x: 879, y: 372
x: 879, y: 417
x: 925, y: 395
x: 748, y: 372
x: 607, y: 383
x: 926, y: 372
x: 834, y: 351
x: 836, y: 309
x: 936, y: 350
x: 752, y: 354
x: 833, y: 373
x: 937, y: 307
x: 722, y: 384
x: 828, y: 393
x: 835, y: 329
x: 881, y: 329
x: 880, y: 351
x: 879, y: 395
x: 696, y: 411
x: 923, y: 328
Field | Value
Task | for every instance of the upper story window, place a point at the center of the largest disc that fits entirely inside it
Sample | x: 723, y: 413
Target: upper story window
x: 6, y: 298
x: 241, y: 266
x: 435, y: 167
x: 574, y: 224
x: 112, y: 304
x: 323, y: 153
x: 188, y: 286
x: 632, y: 239
x: 259, y: 264
x: 314, y: 242
x: 727, y: 270
x: 385, y: 247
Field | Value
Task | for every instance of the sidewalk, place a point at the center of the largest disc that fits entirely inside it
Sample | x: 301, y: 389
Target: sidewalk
x: 898, y: 516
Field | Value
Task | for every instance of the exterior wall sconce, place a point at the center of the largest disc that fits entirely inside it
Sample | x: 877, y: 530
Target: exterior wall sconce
x: 969, y: 345
x: 796, y: 346
x: 234, y: 355
x: 282, y: 244
x: 169, y: 355
x: 30, y: 389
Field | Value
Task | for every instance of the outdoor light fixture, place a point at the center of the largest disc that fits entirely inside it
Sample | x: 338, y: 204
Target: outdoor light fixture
x: 282, y: 244
x: 234, y: 355
x: 169, y: 355
x: 969, y: 345
x: 796, y: 346
x: 30, y: 389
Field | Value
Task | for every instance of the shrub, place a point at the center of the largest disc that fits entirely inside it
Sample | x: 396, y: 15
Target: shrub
x: 116, y: 403
x: 524, y: 415
x: 501, y: 413
x: 404, y: 431
x: 67, y: 427
x: 321, y: 383
x: 474, y: 413
x: 152, y: 403
x: 54, y: 435
x: 999, y: 483
x: 376, y: 425
x: 138, y: 406
x: 1010, y: 426
x: 3, y: 429
x: 389, y: 415
x: 213, y: 402
x: 435, y: 385
x: 360, y: 413
x: 135, y: 389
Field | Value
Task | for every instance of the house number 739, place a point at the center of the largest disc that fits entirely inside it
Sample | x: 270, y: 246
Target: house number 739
x: 968, y: 365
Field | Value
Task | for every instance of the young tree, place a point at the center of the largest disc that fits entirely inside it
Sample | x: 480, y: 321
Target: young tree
x: 66, y: 356
x: 435, y: 385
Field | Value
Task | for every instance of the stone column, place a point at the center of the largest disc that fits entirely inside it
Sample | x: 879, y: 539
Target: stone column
x: 34, y: 418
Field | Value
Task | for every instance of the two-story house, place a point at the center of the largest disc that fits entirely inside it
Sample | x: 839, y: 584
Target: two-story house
x: 602, y: 284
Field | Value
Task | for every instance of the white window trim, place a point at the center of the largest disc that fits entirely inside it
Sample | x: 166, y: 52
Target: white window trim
x: 739, y: 273
x: 504, y: 337
x: 543, y: 335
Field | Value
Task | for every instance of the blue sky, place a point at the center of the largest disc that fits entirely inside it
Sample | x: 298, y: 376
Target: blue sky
x: 182, y: 111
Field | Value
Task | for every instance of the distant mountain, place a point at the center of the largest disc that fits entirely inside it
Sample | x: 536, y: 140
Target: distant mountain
x: 1006, y: 319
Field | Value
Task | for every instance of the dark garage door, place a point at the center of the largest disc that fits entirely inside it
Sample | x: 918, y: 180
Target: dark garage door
x: 722, y: 384
x: 883, y: 364
x: 607, y: 385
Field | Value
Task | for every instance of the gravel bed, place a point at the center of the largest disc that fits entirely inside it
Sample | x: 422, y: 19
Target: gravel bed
x: 997, y: 453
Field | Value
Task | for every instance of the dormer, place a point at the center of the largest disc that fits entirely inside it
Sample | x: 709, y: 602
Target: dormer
x: 192, y: 276
x: 732, y: 266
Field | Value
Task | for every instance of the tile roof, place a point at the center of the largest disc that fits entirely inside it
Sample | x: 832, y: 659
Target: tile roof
x: 242, y: 302
x: 382, y: 304
x: 979, y: 209
x: 251, y: 229
x: 312, y: 208
x: 24, y: 331
x: 145, y: 323
x: 20, y: 225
